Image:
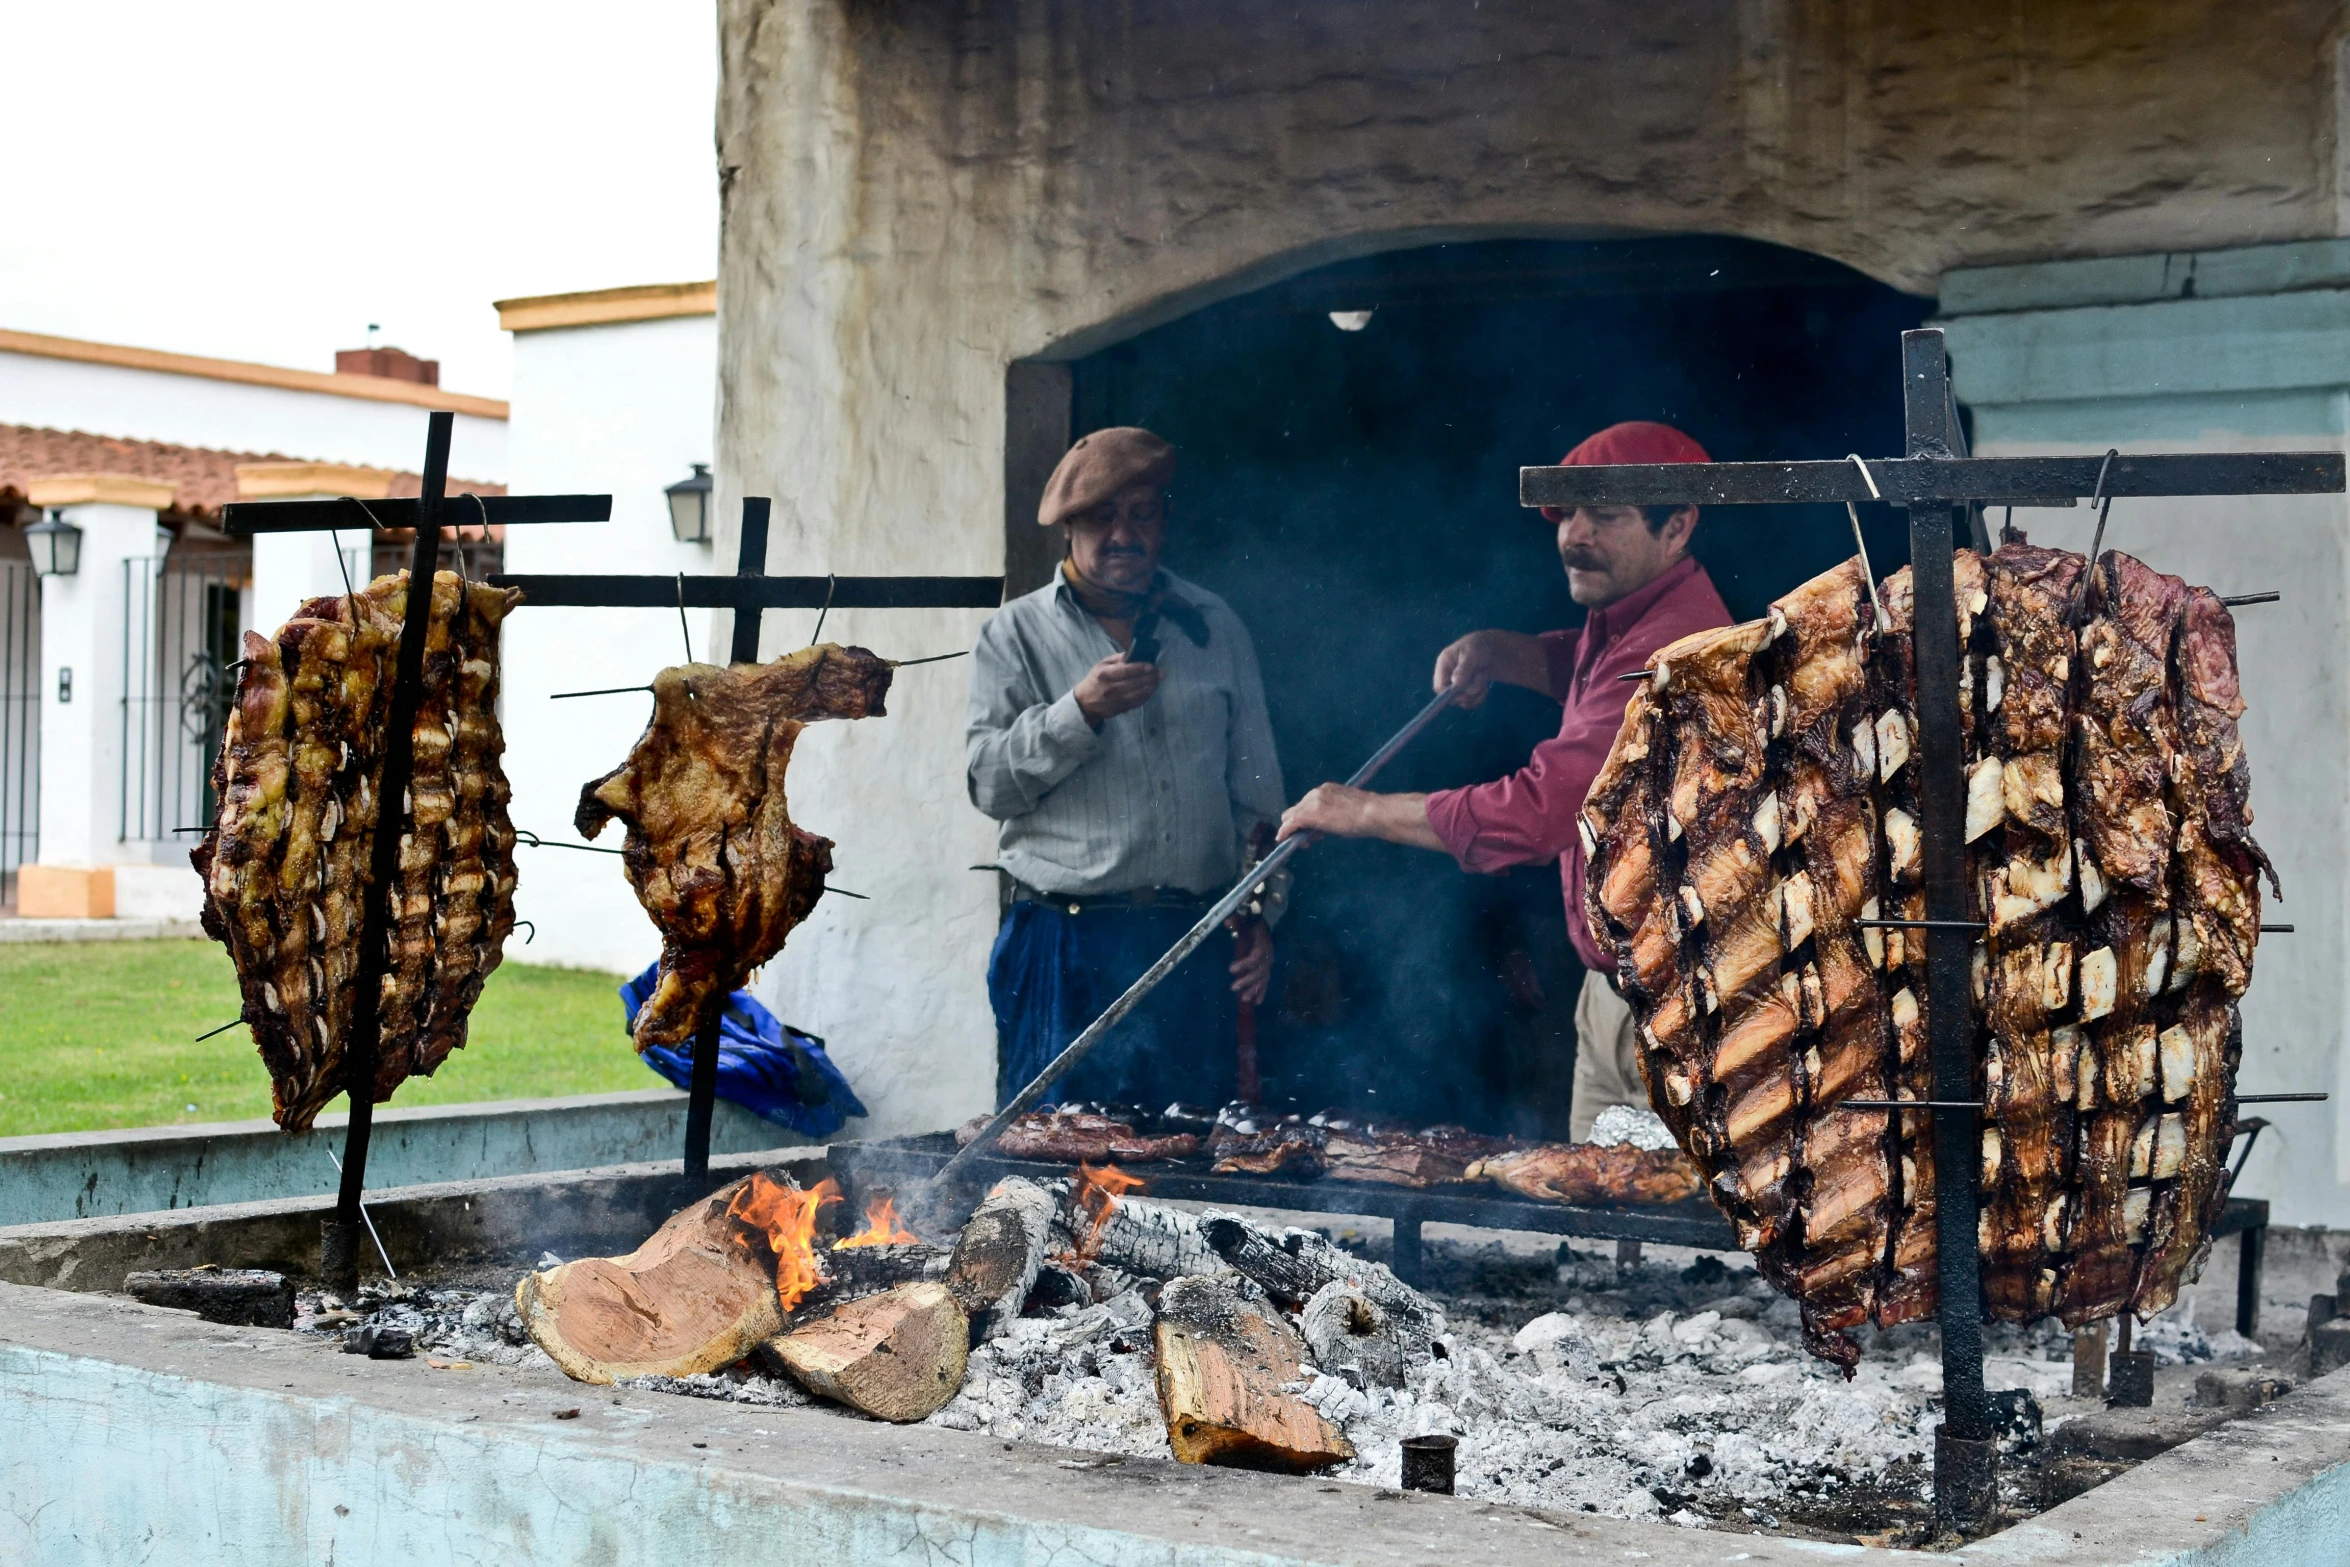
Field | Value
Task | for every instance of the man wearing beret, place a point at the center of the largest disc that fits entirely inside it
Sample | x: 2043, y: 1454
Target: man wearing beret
x: 1630, y: 567
x: 1117, y: 730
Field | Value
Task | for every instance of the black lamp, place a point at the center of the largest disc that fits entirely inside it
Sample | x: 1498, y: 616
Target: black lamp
x: 56, y: 546
x: 689, y: 506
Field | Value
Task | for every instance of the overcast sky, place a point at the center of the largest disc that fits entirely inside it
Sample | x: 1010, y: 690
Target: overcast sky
x: 261, y: 180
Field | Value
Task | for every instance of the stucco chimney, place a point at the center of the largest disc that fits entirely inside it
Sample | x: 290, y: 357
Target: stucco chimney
x: 393, y: 364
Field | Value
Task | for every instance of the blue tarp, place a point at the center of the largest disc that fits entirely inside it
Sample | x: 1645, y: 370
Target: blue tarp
x: 767, y: 1068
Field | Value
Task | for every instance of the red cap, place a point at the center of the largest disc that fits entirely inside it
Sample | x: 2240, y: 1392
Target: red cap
x: 1634, y: 441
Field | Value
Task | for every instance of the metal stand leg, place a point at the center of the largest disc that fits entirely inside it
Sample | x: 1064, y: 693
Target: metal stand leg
x: 701, y: 1099
x: 1409, y: 1263
x: 1627, y: 1254
x: 2252, y: 1246
x: 2089, y: 1361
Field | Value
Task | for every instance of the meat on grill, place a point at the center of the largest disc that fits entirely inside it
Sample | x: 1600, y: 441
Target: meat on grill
x: 1589, y: 1173
x: 1762, y: 798
x: 1432, y: 1156
x: 1062, y: 1137
x: 711, y: 849
x: 287, y: 862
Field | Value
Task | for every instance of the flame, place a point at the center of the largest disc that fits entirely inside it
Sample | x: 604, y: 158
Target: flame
x: 788, y: 1215
x: 882, y: 1227
x: 1096, y: 1195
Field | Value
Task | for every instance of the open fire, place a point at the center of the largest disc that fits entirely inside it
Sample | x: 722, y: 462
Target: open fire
x: 1096, y: 1196
x: 788, y: 1216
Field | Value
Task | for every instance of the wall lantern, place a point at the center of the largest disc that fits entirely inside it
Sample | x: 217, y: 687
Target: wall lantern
x: 689, y: 506
x: 56, y: 546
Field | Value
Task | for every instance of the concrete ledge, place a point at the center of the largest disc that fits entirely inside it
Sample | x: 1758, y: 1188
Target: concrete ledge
x: 79, y: 1175
x: 98, y: 930
x: 113, y: 1448
x: 508, y: 1220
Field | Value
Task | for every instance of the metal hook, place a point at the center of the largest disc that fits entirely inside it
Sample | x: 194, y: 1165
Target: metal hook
x: 2104, y: 504
x: 682, y: 629
x: 1868, y: 573
x: 534, y: 932
x: 830, y: 582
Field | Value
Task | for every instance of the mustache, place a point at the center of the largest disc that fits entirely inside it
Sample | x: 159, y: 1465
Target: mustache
x: 1584, y: 560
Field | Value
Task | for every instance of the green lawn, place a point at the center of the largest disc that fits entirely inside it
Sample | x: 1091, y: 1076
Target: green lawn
x: 100, y: 1034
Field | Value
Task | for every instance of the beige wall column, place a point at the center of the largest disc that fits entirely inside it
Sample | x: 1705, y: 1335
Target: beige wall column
x: 82, y: 690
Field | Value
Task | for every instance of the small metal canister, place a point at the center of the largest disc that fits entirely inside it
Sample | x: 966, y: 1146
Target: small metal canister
x: 1427, y: 1463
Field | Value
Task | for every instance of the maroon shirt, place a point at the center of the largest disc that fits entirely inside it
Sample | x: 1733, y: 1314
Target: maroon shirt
x: 1528, y: 818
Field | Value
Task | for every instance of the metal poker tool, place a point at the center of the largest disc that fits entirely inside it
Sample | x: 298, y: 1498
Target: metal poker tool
x: 1221, y: 910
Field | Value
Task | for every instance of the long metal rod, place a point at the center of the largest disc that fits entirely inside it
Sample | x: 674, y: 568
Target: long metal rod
x: 1940, y: 477
x: 1218, y: 912
x: 391, y: 807
x: 1965, y: 1458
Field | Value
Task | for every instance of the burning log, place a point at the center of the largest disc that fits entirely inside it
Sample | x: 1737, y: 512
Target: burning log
x: 694, y: 1297
x: 1135, y: 1237
x: 1223, y: 1361
x: 897, y: 1356
x: 996, y: 1259
x: 1351, y: 1337
x: 1296, y: 1265
x: 858, y: 1271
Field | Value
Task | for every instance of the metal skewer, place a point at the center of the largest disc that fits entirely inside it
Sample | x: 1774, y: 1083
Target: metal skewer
x: 561, y: 696
x: 368, y: 1219
x: 1868, y: 573
x: 1244, y: 889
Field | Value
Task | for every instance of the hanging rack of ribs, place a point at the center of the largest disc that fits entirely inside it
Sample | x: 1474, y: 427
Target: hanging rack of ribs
x: 710, y: 847
x: 1756, y: 827
x: 286, y: 862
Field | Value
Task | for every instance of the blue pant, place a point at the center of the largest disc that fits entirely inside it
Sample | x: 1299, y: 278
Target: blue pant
x: 1054, y: 972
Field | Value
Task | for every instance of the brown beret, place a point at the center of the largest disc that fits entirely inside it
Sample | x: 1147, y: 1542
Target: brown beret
x: 1099, y: 466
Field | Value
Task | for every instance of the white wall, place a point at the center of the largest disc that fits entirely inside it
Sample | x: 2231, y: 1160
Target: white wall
x: 188, y: 410
x: 624, y: 409
x: 81, y: 739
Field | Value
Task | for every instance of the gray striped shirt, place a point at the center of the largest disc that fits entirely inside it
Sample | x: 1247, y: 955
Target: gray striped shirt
x: 1162, y: 796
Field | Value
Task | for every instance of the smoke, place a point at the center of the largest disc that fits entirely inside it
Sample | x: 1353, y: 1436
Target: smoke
x: 1353, y: 495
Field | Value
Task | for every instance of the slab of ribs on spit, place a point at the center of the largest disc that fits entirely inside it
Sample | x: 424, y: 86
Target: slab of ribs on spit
x: 287, y: 861
x: 1762, y: 796
x: 1243, y: 1139
x: 711, y: 849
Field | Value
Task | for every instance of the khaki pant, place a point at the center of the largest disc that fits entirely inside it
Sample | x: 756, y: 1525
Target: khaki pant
x: 1607, y: 1056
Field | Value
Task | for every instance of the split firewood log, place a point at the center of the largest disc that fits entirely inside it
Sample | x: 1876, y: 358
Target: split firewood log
x: 897, y: 1356
x: 696, y: 1296
x: 1223, y: 1361
x: 1295, y: 1265
x: 1153, y: 1239
x: 1352, y: 1337
x: 1002, y: 1245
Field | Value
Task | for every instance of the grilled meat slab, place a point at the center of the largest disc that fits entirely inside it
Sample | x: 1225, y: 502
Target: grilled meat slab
x: 1060, y: 1137
x: 286, y: 863
x: 1762, y: 799
x: 711, y: 848
x: 1589, y: 1173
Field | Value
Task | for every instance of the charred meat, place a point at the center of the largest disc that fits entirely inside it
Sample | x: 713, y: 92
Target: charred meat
x: 1589, y: 1173
x: 711, y: 848
x: 1762, y: 800
x: 1061, y: 1137
x: 286, y: 864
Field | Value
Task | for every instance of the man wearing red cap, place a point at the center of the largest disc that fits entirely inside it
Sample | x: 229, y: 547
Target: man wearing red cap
x: 1630, y: 567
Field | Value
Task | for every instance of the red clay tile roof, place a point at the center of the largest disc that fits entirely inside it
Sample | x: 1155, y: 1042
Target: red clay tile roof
x: 206, y: 479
